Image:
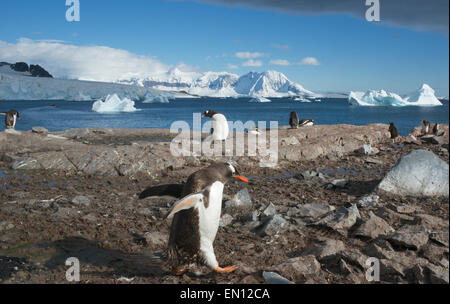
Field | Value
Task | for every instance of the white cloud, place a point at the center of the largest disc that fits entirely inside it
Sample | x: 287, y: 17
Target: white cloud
x: 280, y: 46
x: 249, y: 55
x: 280, y: 62
x: 252, y: 63
x: 232, y: 66
x: 309, y: 61
x: 98, y: 63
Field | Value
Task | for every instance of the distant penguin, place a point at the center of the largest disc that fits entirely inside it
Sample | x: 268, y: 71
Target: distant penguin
x: 393, y: 130
x: 293, y: 120
x: 219, y: 126
x: 425, y: 127
x: 436, y: 129
x: 10, y: 118
x: 306, y: 122
x: 196, y: 217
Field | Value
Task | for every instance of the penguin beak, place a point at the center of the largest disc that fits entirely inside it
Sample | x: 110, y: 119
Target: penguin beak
x: 203, y: 115
x: 241, y: 178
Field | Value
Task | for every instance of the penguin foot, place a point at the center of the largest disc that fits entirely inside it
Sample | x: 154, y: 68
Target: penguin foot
x: 177, y: 271
x: 225, y: 270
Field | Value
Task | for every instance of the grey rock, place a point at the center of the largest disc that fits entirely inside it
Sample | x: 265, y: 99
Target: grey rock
x: 437, y: 274
x: 81, y: 200
x: 325, y: 249
x: 409, y: 236
x: 367, y: 150
x: 373, y: 227
x: 420, y: 173
x: 271, y: 225
x: 314, y: 211
x: 225, y: 220
x: 367, y: 201
x: 441, y: 237
x: 342, y: 219
x: 393, y: 217
x: 145, y: 211
x: 433, y: 253
x: 64, y: 213
x: 270, y: 210
x: 90, y: 218
x: 275, y: 278
x: 288, y: 141
x: 76, y: 133
x: 39, y: 130
x: 380, y: 249
x: 299, y: 268
x: 241, y: 199
x: 251, y: 216
x: 432, y: 139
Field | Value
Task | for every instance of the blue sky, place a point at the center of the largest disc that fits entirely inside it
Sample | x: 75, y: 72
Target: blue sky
x: 354, y: 54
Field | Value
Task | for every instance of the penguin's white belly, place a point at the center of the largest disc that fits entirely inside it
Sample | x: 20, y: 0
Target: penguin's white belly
x: 220, y: 126
x: 209, y: 217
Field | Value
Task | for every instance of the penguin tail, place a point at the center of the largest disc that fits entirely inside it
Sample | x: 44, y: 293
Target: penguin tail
x: 172, y: 190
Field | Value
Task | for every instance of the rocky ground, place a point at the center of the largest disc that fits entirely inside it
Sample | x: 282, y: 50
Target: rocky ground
x: 315, y: 218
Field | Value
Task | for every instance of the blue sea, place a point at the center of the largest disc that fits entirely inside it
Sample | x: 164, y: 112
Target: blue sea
x: 69, y: 114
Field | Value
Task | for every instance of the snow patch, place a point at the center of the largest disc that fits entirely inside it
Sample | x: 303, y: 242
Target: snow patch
x: 113, y: 104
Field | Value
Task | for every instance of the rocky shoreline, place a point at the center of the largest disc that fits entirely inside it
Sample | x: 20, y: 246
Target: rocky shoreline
x: 314, y: 217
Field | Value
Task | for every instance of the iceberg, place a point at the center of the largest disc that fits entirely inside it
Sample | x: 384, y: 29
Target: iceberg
x: 422, y: 97
x: 302, y: 99
x: 113, y: 104
x: 151, y: 98
x: 260, y: 99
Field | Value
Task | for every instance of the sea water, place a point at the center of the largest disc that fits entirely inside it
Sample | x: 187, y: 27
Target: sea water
x: 69, y: 114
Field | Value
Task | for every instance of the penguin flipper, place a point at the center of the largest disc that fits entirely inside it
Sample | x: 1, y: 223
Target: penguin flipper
x: 173, y: 190
x: 187, y: 202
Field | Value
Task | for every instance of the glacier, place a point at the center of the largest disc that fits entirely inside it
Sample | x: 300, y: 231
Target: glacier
x: 21, y: 86
x: 113, y: 104
x: 424, y: 97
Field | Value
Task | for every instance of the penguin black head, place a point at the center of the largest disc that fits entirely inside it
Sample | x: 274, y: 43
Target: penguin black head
x: 426, y: 122
x: 391, y: 124
x: 209, y: 113
x: 227, y: 170
x: 14, y: 112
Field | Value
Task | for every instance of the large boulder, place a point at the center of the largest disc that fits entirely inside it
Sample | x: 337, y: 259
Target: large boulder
x: 420, y: 173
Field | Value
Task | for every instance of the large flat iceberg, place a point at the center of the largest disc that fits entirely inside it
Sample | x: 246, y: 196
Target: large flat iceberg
x: 422, y: 97
x: 260, y: 99
x: 113, y: 104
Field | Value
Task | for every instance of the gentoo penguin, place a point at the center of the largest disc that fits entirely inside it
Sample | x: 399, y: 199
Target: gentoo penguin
x: 393, y: 131
x: 425, y: 127
x: 196, y: 217
x: 10, y: 118
x: 293, y: 120
x: 219, y: 127
x: 306, y: 122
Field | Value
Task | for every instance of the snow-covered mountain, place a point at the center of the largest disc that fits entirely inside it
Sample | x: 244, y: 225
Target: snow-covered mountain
x: 223, y: 84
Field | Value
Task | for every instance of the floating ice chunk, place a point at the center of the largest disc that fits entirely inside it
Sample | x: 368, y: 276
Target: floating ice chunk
x: 259, y: 99
x: 112, y: 104
x: 161, y: 98
x: 422, y: 97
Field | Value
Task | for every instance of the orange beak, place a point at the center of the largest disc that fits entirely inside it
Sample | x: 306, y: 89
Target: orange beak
x: 203, y: 115
x: 241, y: 178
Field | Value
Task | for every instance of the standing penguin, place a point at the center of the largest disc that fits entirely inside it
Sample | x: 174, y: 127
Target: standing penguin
x: 219, y: 127
x: 196, y: 217
x: 293, y: 120
x: 393, y: 130
x: 10, y: 118
x: 425, y: 127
